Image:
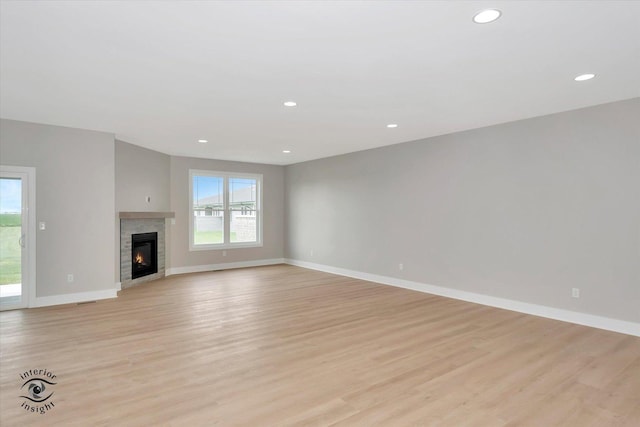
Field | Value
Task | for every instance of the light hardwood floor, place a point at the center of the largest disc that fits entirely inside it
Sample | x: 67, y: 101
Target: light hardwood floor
x: 282, y: 346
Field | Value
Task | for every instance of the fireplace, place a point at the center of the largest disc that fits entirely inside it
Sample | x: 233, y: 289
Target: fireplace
x: 144, y: 254
x: 145, y: 223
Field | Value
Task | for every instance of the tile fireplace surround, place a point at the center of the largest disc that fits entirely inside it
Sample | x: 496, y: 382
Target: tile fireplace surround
x: 135, y: 223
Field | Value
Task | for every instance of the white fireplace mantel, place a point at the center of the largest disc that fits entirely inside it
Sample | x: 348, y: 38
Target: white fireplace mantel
x: 147, y: 215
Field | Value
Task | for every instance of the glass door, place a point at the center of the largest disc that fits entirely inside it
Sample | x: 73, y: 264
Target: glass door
x: 14, y: 251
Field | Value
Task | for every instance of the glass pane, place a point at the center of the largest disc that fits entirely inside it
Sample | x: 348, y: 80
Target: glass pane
x: 208, y: 210
x: 243, y: 206
x: 10, y: 234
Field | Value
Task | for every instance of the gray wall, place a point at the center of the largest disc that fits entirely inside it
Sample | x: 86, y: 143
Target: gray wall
x: 74, y: 196
x: 140, y: 173
x: 272, y: 222
x: 525, y: 210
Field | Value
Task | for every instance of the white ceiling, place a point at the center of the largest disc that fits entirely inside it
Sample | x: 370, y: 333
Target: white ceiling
x: 165, y: 74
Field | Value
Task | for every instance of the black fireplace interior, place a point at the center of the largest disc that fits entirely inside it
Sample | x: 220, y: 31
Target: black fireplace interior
x: 144, y: 254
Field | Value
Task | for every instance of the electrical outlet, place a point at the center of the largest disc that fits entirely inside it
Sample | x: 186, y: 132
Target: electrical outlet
x: 400, y: 266
x: 70, y: 278
x: 224, y: 253
x: 575, y: 292
x: 42, y: 225
x: 311, y: 252
x: 148, y: 199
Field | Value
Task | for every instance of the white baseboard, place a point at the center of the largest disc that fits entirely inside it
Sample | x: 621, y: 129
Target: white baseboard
x: 74, y: 298
x: 600, y: 322
x: 224, y: 266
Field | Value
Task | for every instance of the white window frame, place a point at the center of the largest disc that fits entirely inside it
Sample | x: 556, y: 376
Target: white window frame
x: 227, y: 244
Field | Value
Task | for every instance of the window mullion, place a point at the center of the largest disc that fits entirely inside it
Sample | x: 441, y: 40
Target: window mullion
x: 227, y: 212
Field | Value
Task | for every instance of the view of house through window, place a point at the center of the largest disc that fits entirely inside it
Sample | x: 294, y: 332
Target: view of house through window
x: 225, y: 210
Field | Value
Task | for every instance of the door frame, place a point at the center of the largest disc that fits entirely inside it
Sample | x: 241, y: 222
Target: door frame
x: 28, y: 175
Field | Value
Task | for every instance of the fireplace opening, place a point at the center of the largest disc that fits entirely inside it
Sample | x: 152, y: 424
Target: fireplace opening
x: 144, y: 254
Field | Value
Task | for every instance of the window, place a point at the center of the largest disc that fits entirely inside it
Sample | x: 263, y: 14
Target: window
x: 225, y: 210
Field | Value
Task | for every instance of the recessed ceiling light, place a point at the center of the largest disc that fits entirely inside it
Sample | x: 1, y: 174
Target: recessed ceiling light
x: 286, y: 151
x: 486, y: 16
x: 392, y: 125
x: 583, y: 77
x: 202, y: 141
x: 290, y: 104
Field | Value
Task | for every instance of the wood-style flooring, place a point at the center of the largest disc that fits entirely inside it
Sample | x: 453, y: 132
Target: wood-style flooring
x: 284, y: 346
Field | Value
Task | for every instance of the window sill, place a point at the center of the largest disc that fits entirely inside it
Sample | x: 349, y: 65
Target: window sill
x: 196, y: 248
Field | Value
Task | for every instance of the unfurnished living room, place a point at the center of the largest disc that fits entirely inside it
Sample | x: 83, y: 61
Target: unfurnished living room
x: 320, y: 213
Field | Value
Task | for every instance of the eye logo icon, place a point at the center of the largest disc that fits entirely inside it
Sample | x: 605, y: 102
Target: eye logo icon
x: 36, y: 390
